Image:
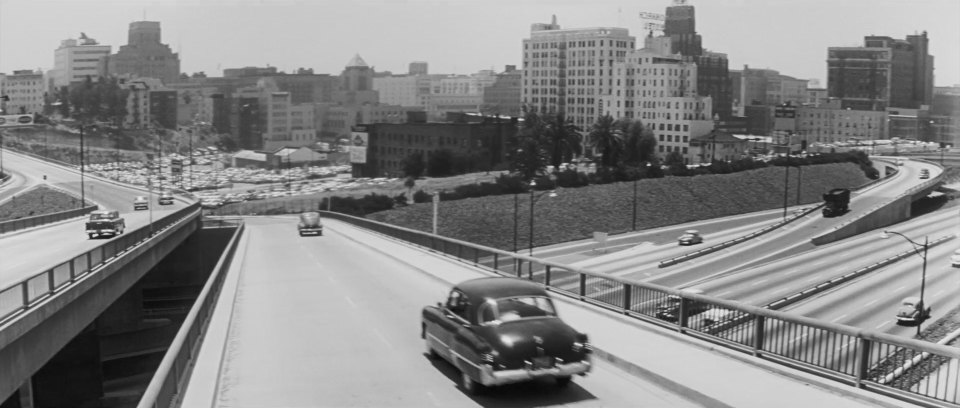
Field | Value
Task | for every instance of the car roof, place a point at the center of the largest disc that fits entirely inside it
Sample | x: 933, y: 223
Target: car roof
x: 912, y: 300
x: 499, y: 287
x: 691, y: 232
x: 101, y: 212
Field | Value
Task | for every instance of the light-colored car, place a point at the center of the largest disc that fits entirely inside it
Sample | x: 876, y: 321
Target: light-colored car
x: 165, y: 199
x: 912, y: 310
x: 924, y: 173
x: 955, y: 259
x: 690, y: 237
x: 140, y: 203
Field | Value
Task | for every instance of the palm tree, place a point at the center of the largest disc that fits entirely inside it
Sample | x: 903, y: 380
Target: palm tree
x: 608, y: 139
x: 564, y: 139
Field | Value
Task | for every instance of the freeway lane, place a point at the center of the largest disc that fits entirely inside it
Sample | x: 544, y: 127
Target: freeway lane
x: 29, y: 252
x: 766, y: 283
x: 327, y: 321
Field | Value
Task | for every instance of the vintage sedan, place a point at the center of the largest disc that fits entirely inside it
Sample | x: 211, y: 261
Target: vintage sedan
x: 503, y: 330
x: 690, y: 237
x: 912, y: 310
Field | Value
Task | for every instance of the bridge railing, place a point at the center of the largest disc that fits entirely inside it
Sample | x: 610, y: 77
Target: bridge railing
x: 21, y: 296
x: 170, y: 378
x: 916, y: 371
x: 28, y: 222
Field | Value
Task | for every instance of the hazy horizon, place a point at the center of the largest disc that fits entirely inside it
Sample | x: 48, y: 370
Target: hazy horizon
x: 460, y: 36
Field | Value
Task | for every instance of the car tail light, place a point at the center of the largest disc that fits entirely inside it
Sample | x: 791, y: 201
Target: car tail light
x: 487, y: 358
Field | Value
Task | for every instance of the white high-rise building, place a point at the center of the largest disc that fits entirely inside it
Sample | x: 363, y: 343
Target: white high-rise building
x: 660, y: 89
x: 569, y: 70
x: 77, y: 59
x: 25, y: 90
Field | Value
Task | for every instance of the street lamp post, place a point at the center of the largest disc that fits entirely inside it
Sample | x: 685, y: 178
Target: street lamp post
x: 923, y: 276
x: 786, y: 182
x: 533, y: 199
x: 83, y: 199
x: 635, y: 202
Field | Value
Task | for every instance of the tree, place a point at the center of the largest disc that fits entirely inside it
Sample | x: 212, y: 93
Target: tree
x: 676, y: 164
x: 413, y: 165
x: 563, y: 138
x: 640, y: 144
x: 528, y: 153
x: 608, y: 139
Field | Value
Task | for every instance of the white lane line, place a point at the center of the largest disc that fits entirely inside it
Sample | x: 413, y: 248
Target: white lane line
x: 383, y: 339
x: 938, y: 294
x: 350, y: 301
x: 722, y: 294
x: 758, y: 282
x: 871, y: 302
x: 792, y: 271
x: 838, y: 318
x: 900, y: 288
x: 819, y: 263
x: 817, y: 277
x: 882, y: 324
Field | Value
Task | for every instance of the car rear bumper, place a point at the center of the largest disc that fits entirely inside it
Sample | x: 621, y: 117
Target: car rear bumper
x: 311, y: 230
x: 490, y: 377
x: 139, y: 207
x: 102, y: 231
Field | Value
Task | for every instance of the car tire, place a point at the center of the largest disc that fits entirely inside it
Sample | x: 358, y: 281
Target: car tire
x: 469, y: 385
x: 90, y: 235
x: 429, y: 351
x: 564, y: 381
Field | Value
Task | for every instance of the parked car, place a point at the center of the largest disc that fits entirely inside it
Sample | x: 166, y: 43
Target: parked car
x: 955, y: 259
x: 165, y: 199
x: 310, y: 224
x: 140, y: 203
x: 105, y: 223
x: 690, y: 237
x: 912, y: 310
x: 503, y: 330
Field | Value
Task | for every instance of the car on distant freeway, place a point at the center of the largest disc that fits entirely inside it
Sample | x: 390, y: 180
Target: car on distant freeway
x: 912, y: 310
x: 499, y: 331
x: 165, y: 198
x: 140, y: 203
x: 955, y: 259
x: 690, y: 237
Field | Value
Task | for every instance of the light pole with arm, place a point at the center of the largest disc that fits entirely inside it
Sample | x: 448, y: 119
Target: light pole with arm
x: 533, y: 199
x: 923, y: 276
x: 83, y: 197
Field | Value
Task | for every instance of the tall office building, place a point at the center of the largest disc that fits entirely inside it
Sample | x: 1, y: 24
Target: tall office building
x: 25, y: 90
x: 713, y: 77
x: 418, y: 68
x: 75, y: 60
x: 569, y: 70
x: 660, y: 90
x: 145, y: 56
x: 884, y: 73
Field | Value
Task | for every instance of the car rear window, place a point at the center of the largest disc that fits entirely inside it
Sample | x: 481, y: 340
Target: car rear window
x: 516, y: 308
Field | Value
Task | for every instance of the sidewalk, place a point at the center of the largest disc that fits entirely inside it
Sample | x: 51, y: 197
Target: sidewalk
x: 699, y: 371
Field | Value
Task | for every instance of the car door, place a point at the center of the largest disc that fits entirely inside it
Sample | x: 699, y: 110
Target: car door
x: 451, y: 320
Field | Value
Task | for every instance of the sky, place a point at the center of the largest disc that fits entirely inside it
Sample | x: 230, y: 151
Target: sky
x: 463, y: 36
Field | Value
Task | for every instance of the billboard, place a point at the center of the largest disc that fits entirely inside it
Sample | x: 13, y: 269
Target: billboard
x: 16, y: 120
x: 358, y: 147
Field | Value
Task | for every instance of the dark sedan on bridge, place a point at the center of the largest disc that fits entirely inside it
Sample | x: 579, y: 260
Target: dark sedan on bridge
x: 502, y: 330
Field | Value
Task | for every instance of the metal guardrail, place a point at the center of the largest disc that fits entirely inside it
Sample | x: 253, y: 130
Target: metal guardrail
x: 170, y: 378
x: 857, y: 357
x: 796, y: 297
x: 22, y: 296
x: 729, y: 243
x: 29, y: 222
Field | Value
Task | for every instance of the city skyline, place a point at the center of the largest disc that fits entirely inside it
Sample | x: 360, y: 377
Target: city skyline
x: 467, y: 36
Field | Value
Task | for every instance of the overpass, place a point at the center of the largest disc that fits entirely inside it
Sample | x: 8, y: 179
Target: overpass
x: 338, y: 317
x: 43, y: 313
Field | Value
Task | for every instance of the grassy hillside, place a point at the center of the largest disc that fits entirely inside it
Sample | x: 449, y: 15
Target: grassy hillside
x: 576, y: 213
